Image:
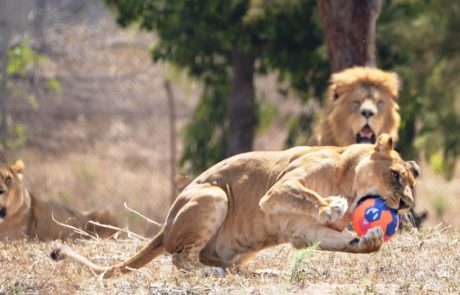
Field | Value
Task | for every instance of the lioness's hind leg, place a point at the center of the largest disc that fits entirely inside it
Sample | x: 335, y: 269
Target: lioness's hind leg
x: 195, y: 224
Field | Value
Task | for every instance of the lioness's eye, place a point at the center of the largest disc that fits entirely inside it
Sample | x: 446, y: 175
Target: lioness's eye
x: 8, y: 180
x: 395, y: 176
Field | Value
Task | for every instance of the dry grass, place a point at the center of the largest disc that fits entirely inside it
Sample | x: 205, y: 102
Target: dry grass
x: 417, y: 263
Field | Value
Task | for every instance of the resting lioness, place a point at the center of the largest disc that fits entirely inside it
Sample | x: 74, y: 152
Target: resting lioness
x: 260, y: 199
x: 22, y: 215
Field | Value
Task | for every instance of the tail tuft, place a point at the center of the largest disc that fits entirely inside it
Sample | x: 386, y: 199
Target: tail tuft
x: 57, y: 253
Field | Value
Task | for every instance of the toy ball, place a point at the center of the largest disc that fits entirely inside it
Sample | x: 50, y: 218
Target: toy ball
x: 372, y: 212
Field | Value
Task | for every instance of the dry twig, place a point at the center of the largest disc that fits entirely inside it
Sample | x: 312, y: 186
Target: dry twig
x: 75, y: 229
x: 119, y: 229
x: 143, y: 216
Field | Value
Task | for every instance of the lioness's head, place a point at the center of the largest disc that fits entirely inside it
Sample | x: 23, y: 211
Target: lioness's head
x: 11, y: 189
x: 361, y: 105
x: 385, y: 174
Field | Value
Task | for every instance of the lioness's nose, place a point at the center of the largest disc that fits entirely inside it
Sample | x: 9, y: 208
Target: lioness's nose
x: 403, y: 204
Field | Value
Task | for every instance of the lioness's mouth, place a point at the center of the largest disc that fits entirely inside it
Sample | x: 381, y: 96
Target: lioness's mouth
x: 2, y: 212
x: 366, y: 135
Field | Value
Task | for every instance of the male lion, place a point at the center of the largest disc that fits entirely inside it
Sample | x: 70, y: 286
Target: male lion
x: 23, y: 215
x: 361, y: 104
x: 257, y: 200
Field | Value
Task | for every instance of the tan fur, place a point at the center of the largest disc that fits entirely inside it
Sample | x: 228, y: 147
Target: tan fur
x: 29, y: 217
x: 256, y: 200
x: 350, y: 92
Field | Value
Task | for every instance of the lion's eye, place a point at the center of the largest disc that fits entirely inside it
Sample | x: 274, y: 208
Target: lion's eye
x: 380, y: 104
x: 8, y: 180
x: 355, y: 105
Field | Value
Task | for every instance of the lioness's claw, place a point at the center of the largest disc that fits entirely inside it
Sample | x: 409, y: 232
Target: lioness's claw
x: 334, y: 210
x: 373, y: 239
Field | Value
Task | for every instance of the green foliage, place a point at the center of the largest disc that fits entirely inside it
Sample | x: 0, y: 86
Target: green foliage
x: 33, y: 102
x: 17, y: 136
x: 266, y: 113
x: 416, y: 38
x: 205, y: 136
x: 298, y: 261
x: 54, y: 85
x: 200, y: 36
x: 440, y: 205
x: 300, y: 129
x: 419, y: 40
x: 21, y: 59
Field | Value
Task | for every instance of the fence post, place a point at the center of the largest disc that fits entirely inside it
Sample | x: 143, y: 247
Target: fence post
x: 4, y: 97
x: 172, y: 137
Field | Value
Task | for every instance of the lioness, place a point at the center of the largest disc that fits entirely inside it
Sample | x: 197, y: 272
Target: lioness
x: 23, y: 215
x: 361, y: 104
x: 257, y: 200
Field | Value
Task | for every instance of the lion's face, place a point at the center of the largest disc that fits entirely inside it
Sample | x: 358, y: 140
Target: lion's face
x: 385, y: 174
x: 10, y: 189
x: 361, y: 105
x: 367, y: 112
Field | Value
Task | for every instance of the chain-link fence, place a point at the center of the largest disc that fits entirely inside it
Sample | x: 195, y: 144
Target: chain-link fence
x: 97, y: 117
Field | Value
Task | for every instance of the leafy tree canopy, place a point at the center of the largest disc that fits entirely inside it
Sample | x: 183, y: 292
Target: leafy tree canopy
x: 420, y: 40
x: 200, y: 36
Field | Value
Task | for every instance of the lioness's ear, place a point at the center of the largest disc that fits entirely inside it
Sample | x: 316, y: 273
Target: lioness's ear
x: 18, y: 166
x: 181, y: 182
x: 414, y: 168
x: 384, y: 144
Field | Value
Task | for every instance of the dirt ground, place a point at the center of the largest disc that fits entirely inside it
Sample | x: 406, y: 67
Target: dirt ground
x: 424, y: 262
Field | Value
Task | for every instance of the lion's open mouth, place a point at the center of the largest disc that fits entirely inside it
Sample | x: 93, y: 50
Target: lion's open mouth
x: 366, y: 135
x: 2, y: 212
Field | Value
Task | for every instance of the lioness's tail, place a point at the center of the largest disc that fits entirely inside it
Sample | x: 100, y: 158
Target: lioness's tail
x: 149, y: 252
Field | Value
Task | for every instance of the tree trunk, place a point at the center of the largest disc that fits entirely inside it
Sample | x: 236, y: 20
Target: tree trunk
x: 242, y: 106
x: 349, y: 27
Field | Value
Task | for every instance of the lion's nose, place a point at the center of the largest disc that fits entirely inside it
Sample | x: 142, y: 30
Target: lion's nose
x: 367, y: 113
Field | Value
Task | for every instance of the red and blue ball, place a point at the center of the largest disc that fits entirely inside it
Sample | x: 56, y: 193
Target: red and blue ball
x: 372, y: 212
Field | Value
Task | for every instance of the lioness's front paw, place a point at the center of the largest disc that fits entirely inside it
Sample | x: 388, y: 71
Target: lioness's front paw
x: 372, y: 241
x: 336, y: 208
